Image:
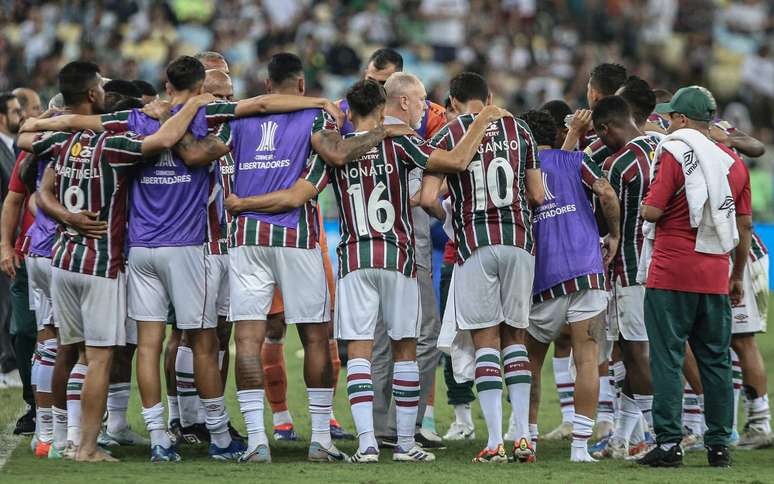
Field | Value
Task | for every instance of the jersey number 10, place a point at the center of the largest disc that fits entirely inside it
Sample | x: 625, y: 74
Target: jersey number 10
x: 497, y: 182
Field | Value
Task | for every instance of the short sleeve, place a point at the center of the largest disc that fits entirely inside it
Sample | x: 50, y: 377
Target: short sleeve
x: 413, y: 150
x: 219, y: 112
x: 442, y: 139
x: 316, y: 172
x: 324, y: 122
x: 122, y: 150
x: 743, y: 200
x: 49, y: 144
x: 669, y: 178
x: 117, y: 122
x: 590, y: 171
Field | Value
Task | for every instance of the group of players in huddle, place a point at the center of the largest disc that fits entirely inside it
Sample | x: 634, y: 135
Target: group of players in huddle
x: 201, y: 210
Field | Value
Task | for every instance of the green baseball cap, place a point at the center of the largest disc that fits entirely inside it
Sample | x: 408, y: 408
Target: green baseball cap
x: 695, y: 102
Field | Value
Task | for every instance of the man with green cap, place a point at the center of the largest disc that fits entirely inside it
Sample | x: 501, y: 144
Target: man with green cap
x: 699, y: 199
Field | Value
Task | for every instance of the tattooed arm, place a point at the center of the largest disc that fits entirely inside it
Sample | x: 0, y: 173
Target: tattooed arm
x: 337, y: 151
x: 611, y: 209
x: 200, y: 152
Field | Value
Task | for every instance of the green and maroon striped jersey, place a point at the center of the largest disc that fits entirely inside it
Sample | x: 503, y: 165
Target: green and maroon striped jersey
x: 598, y: 151
x: 218, y: 218
x: 373, y: 199
x: 489, y: 200
x: 94, y: 173
x: 589, y: 281
x: 245, y: 230
x: 629, y: 173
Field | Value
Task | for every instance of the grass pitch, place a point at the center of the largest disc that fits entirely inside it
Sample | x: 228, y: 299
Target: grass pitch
x: 452, y: 464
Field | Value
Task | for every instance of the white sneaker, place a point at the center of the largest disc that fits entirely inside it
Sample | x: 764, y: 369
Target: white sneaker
x: 563, y: 431
x: 414, y: 454
x: 755, y: 438
x: 460, y: 431
x: 126, y: 436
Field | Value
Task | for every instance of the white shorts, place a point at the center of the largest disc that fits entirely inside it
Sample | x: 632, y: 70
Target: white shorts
x: 131, y: 331
x: 750, y: 315
x: 546, y: 319
x: 255, y: 271
x: 39, y: 282
x: 217, y: 282
x: 493, y: 286
x: 366, y: 296
x: 160, y: 275
x: 89, y: 309
x: 626, y: 313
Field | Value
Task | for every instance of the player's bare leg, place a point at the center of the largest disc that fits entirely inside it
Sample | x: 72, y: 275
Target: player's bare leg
x: 276, y: 378
x: 94, y: 398
x: 757, y: 433
x: 249, y: 337
x: 586, y: 336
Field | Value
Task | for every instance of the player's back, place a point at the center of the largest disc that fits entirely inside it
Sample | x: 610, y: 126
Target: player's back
x: 93, y: 173
x: 489, y: 201
x: 375, y: 214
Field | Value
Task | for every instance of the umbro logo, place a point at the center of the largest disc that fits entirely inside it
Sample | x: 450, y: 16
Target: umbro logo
x: 268, y: 131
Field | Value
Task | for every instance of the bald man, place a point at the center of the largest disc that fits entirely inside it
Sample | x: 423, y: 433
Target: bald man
x: 407, y: 104
x: 29, y: 101
x: 218, y: 83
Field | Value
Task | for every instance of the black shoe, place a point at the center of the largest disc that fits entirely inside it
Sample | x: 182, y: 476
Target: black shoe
x: 658, y: 457
x: 387, y: 442
x: 235, y: 435
x: 718, y: 456
x: 426, y: 443
x: 176, y: 432
x: 26, y: 423
x: 196, y: 434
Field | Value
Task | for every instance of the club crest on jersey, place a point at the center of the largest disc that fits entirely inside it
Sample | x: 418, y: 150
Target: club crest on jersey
x: 268, y: 130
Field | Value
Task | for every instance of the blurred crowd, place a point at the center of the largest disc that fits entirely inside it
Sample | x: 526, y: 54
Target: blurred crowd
x: 529, y: 51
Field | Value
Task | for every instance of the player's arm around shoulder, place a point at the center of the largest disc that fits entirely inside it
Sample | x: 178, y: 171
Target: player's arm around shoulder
x: 275, y: 202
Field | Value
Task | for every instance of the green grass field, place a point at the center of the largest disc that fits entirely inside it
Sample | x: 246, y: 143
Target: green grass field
x: 452, y: 465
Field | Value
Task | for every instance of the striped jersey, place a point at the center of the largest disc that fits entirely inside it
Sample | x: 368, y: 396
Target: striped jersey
x: 598, y: 151
x: 93, y: 172
x: 373, y: 200
x: 169, y: 199
x: 489, y: 201
x: 629, y: 173
x: 218, y: 218
x: 589, y: 281
x: 270, y: 154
